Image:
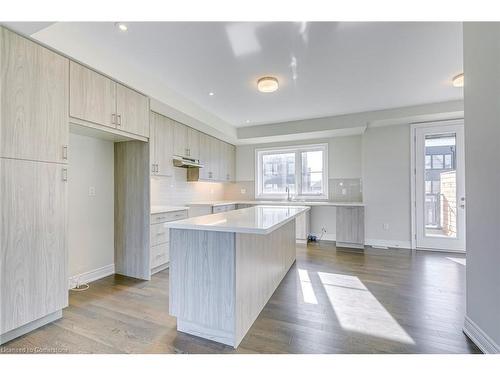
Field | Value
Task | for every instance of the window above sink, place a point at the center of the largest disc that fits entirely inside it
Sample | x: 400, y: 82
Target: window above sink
x: 296, y: 173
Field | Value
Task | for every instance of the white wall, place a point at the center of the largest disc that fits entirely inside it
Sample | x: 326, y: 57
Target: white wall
x: 482, y: 156
x: 91, y: 218
x: 386, y: 185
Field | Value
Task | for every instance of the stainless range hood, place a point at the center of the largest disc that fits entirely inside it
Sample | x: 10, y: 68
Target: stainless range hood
x: 183, y: 162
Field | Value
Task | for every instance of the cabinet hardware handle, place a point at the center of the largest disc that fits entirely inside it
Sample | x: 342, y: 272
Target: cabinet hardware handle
x: 113, y: 118
x: 65, y: 152
x: 119, y: 120
x: 153, y: 169
x: 157, y: 168
x: 65, y: 174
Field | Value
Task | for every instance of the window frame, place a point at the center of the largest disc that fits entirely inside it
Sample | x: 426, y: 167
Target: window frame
x: 297, y: 150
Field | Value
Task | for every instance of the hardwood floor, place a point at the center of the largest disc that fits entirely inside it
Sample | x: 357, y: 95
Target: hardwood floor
x: 331, y: 301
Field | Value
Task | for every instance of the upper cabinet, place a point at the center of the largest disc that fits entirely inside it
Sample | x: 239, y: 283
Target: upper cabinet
x: 187, y: 141
x: 34, y: 101
x: 161, y: 145
x: 193, y: 143
x: 97, y: 99
x: 132, y: 111
x: 180, y: 136
x: 92, y: 96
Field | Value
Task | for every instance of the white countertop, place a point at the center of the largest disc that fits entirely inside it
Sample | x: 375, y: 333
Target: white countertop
x: 255, y: 220
x: 278, y: 203
x: 162, y: 209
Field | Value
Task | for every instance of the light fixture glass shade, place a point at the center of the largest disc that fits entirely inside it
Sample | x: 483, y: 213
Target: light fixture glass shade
x: 458, y: 81
x: 121, y: 26
x: 267, y: 84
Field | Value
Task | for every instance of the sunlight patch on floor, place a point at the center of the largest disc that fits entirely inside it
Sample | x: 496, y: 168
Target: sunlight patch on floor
x: 457, y: 260
x: 358, y: 310
x: 307, y: 289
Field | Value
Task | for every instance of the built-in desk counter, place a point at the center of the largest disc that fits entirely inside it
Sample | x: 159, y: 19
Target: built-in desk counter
x: 224, y: 268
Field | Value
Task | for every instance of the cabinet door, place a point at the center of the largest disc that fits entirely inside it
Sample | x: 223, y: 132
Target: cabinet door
x: 92, y: 96
x: 232, y: 163
x: 180, y: 136
x: 193, y: 143
x: 215, y: 158
x: 33, y: 280
x: 205, y: 143
x: 163, y: 144
x: 34, y: 100
x: 132, y: 111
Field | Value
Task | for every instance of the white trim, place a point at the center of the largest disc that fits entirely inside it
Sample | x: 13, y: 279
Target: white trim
x: 92, y: 275
x: 485, y: 343
x: 413, y: 198
x: 295, y: 149
x: 394, y: 244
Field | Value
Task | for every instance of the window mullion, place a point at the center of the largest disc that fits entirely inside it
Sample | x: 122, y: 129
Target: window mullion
x: 298, y: 172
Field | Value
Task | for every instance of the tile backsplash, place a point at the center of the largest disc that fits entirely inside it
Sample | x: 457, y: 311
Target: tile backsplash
x: 340, y: 190
x: 176, y: 191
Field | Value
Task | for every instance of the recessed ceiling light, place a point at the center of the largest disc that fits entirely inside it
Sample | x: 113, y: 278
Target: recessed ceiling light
x: 247, y: 121
x: 211, y: 93
x: 458, y: 81
x: 121, y: 26
x: 267, y: 84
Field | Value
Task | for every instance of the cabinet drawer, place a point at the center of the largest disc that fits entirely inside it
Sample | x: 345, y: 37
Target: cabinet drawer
x: 159, y: 255
x: 158, y: 234
x: 169, y: 216
x: 227, y: 207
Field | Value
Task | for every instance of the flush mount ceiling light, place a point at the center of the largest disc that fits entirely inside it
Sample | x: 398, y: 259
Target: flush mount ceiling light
x: 211, y: 93
x: 458, y: 81
x: 121, y: 26
x: 267, y: 84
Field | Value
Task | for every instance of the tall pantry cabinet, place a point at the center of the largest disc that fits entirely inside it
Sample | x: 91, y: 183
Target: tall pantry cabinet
x: 34, y: 96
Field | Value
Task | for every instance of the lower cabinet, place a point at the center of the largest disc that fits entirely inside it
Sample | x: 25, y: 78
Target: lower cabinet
x: 224, y: 208
x: 350, y: 229
x: 302, y: 226
x: 33, y: 252
x: 159, y: 238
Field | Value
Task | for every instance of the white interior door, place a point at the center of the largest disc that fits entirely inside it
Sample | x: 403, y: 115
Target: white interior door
x: 439, y: 186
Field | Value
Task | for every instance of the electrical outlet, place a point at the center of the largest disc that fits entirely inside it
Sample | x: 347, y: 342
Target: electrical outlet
x: 91, y: 191
x: 385, y: 226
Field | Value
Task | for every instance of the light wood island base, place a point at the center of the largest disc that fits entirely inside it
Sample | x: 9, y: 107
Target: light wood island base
x: 221, y: 281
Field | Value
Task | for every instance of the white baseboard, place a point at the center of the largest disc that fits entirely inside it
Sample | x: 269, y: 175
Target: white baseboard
x: 388, y: 244
x: 480, y: 338
x: 90, y: 276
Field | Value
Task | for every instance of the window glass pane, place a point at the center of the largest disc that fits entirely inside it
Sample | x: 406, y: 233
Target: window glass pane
x: 428, y: 164
x: 440, y: 197
x: 278, y: 173
x: 448, y: 161
x: 312, y: 172
x: 428, y: 187
x: 437, y: 162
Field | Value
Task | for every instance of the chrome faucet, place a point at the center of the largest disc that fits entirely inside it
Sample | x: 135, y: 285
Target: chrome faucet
x: 287, y: 189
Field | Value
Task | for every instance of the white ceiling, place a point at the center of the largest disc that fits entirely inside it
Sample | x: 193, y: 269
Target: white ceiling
x: 339, y: 68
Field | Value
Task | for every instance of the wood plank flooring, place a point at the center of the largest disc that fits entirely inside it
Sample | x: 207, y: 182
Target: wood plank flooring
x: 331, y: 301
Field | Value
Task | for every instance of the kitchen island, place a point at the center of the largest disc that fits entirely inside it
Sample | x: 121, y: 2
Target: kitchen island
x: 224, y: 268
